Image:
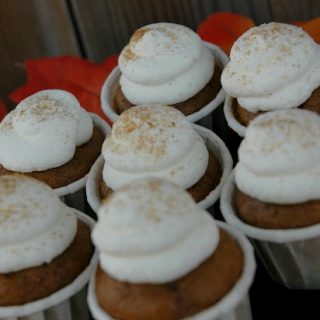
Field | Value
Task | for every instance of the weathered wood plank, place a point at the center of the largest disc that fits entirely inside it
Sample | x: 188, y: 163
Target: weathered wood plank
x: 260, y: 11
x: 30, y: 30
x: 107, y: 25
x: 293, y: 10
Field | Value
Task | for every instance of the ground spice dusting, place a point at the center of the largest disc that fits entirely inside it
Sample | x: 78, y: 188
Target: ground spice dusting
x: 5, y: 214
x: 290, y: 128
x: 8, y: 185
x: 45, y: 108
x: 271, y: 34
x: 168, y: 33
x: 128, y: 52
x: 144, y: 119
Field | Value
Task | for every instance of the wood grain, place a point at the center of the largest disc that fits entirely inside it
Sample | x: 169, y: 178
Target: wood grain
x: 28, y: 30
x: 293, y: 10
x: 107, y: 25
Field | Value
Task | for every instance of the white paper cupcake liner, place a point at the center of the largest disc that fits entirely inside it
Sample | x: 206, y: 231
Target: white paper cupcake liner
x: 79, y: 184
x: 74, y: 308
x: 62, y: 304
x: 92, y: 185
x: 234, y: 305
x: 219, y: 149
x: 291, y: 256
x: 214, y: 144
x: 232, y: 121
x: 111, y: 83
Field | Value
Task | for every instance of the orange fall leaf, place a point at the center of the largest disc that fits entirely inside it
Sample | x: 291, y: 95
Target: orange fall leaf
x: 312, y: 27
x: 224, y: 28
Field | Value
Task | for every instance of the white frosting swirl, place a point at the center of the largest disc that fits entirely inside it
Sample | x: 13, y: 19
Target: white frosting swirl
x: 279, y: 159
x: 153, y: 141
x: 35, y: 226
x: 151, y: 231
x: 42, y: 132
x: 164, y: 58
x: 272, y: 66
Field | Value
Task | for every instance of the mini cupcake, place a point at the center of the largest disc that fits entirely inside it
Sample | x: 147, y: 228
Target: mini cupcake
x: 45, y: 249
x: 163, y: 257
x: 158, y: 141
x: 274, y: 194
x: 48, y: 136
x: 166, y: 63
x: 273, y: 66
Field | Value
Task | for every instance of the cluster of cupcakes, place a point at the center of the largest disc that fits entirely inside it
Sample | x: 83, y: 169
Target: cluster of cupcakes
x: 151, y: 178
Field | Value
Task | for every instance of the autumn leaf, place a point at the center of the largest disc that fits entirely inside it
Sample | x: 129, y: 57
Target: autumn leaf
x: 224, y: 28
x: 312, y: 27
x: 81, y: 77
x: 3, y: 110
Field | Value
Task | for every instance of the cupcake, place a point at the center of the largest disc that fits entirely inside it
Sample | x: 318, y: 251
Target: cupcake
x: 163, y: 257
x: 274, y: 195
x: 166, y: 63
x: 48, y: 136
x: 273, y: 66
x: 156, y: 140
x: 45, y: 249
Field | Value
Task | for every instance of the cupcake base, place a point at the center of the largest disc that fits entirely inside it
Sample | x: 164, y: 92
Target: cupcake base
x: 64, y: 301
x: 275, y: 216
x: 199, y: 191
x: 21, y: 287
x: 244, y: 117
x: 112, y: 83
x: 73, y: 195
x: 192, y: 105
x: 291, y: 256
x: 233, y: 305
x: 75, y: 169
x: 215, y: 146
x: 71, y: 187
x: 184, y: 297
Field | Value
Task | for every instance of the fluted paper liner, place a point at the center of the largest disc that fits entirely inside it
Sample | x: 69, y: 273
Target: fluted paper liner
x: 234, y: 305
x: 214, y: 144
x: 79, y: 184
x: 57, y: 305
x: 291, y: 256
x: 232, y: 121
x: 111, y: 83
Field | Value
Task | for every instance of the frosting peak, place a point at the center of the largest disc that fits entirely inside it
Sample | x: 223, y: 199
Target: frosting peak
x: 43, y: 131
x: 153, y: 140
x: 35, y: 226
x: 164, y: 57
x: 281, y: 153
x: 272, y: 66
x: 151, y: 231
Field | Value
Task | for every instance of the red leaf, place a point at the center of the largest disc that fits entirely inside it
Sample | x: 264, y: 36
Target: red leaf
x: 81, y: 77
x: 223, y: 28
x: 3, y: 110
x: 312, y: 27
